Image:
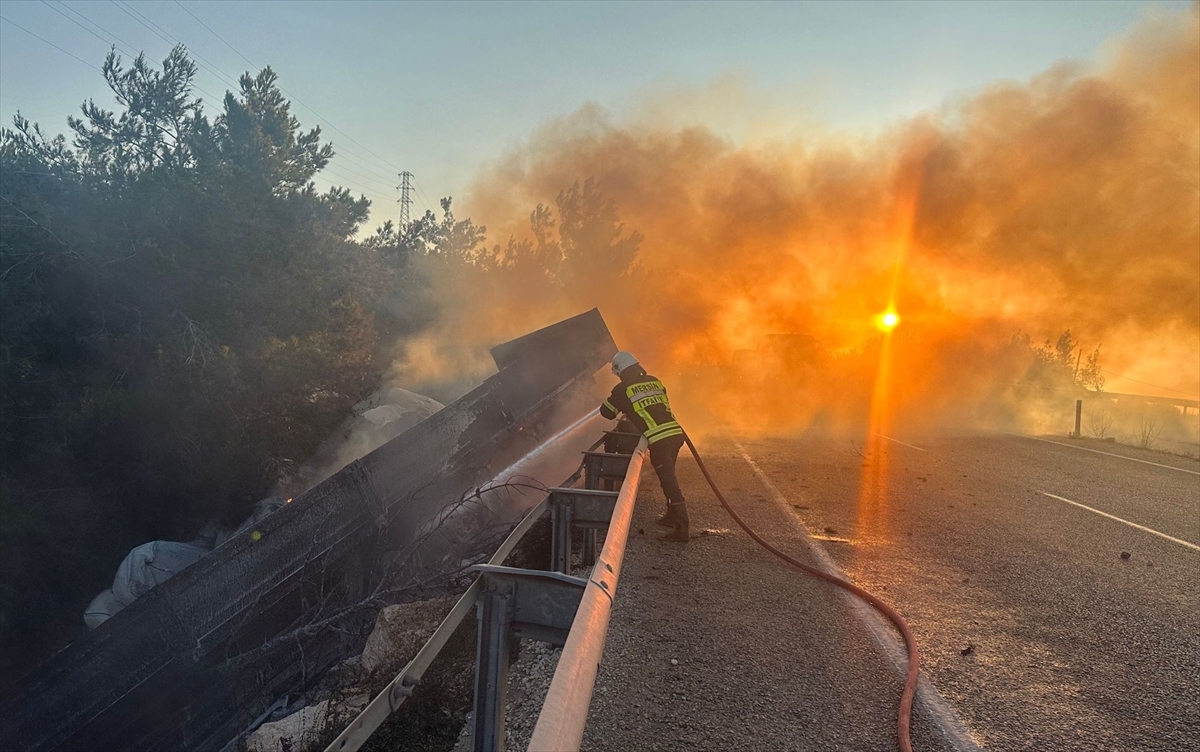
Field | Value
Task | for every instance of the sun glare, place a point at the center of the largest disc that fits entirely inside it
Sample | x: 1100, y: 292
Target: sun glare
x: 888, y: 321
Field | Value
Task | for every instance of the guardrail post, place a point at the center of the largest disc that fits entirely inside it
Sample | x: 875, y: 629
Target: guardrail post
x: 589, y: 546
x: 621, y: 442
x: 560, y: 535
x: 1078, y: 417
x: 494, y: 611
x: 601, y: 467
x: 515, y: 602
x: 577, y: 508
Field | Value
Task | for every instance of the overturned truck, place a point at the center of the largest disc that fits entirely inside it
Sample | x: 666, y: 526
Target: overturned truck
x: 196, y: 660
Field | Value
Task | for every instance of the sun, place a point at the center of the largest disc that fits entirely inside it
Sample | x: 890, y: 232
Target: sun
x: 887, y: 321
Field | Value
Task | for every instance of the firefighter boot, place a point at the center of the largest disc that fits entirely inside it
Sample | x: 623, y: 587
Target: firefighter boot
x: 666, y: 519
x: 680, y: 531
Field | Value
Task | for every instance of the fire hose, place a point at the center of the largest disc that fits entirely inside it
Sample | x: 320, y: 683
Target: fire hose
x: 904, y: 716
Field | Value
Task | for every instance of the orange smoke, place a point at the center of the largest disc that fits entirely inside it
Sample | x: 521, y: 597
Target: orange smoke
x: 873, y: 490
x: 1070, y: 201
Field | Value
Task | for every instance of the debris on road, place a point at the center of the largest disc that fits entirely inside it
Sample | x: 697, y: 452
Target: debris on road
x: 1125, y: 555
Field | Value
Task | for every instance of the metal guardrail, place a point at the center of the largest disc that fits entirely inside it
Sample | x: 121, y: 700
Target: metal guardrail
x: 551, y: 606
x: 564, y: 712
x: 401, y: 688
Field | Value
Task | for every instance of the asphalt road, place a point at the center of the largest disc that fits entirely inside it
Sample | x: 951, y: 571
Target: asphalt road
x: 1069, y: 646
x: 1034, y: 629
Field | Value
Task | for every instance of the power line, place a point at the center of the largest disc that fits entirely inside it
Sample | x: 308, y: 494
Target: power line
x: 1147, y: 383
x: 383, y: 173
x: 127, y: 48
x: 359, y: 189
x: 362, y: 189
x: 291, y: 95
x: 347, y: 153
x: 349, y: 180
x: 130, y: 49
x: 167, y: 37
x: 72, y: 20
x: 129, y: 13
x: 52, y: 44
x: 420, y: 193
x: 365, y: 176
x: 331, y: 125
x: 215, y: 34
x: 171, y: 39
x: 421, y: 202
x: 382, y: 177
x: 429, y: 204
x: 220, y: 72
x: 148, y: 20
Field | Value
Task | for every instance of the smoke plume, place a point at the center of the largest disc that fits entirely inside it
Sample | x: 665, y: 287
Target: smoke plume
x: 761, y: 269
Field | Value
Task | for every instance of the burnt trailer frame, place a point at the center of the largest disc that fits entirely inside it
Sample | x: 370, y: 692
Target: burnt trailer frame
x: 195, y: 660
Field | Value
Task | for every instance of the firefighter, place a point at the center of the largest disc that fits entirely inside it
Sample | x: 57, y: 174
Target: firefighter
x: 643, y: 400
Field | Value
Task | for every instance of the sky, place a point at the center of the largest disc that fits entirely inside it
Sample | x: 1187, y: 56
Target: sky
x: 442, y: 89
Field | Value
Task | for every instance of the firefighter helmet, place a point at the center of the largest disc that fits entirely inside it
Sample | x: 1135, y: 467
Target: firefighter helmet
x: 621, y: 361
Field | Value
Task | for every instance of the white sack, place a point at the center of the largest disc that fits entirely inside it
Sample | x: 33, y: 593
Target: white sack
x: 101, y: 608
x: 151, y: 564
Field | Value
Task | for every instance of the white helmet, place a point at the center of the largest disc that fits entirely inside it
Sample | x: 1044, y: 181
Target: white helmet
x: 621, y: 361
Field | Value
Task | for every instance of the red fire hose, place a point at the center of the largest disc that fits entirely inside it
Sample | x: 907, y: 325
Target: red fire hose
x: 914, y: 656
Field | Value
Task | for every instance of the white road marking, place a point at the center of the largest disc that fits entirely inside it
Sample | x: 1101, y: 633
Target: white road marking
x: 901, y: 443
x: 953, y: 731
x: 1109, y: 454
x: 1143, y: 528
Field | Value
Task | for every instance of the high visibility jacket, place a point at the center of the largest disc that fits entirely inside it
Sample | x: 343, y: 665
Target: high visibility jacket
x: 643, y: 400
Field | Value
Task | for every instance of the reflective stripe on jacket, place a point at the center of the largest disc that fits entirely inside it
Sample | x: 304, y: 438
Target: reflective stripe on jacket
x: 644, y: 401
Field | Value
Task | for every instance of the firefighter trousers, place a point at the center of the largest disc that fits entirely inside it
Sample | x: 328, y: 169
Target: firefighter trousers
x: 663, y: 455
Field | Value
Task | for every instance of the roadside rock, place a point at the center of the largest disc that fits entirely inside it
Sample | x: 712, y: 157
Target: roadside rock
x: 401, y: 630
x: 302, y: 728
